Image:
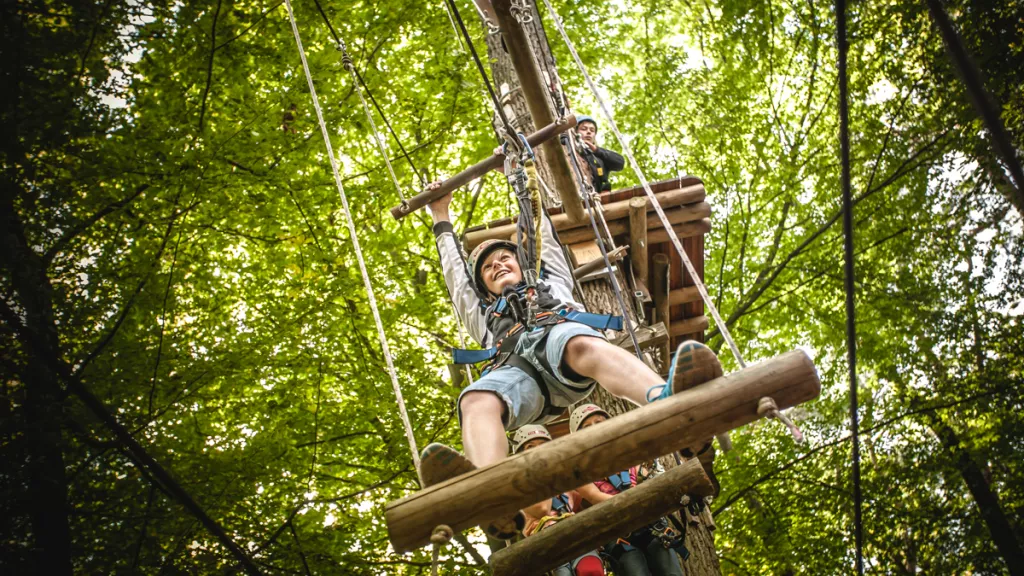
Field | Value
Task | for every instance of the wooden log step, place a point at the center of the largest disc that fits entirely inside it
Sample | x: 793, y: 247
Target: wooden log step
x: 683, y: 295
x: 684, y: 326
x: 672, y: 199
x: 602, y: 523
x: 680, y: 421
x: 684, y: 229
x: 646, y: 337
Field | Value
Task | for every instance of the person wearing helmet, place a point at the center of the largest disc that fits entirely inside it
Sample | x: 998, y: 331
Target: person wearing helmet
x: 602, y: 161
x: 535, y: 374
x: 549, y: 512
x: 646, y: 551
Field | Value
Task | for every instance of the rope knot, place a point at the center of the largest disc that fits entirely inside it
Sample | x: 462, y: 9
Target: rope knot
x: 442, y: 535
x: 767, y: 407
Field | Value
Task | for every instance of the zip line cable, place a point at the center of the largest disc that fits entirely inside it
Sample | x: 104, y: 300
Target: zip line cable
x: 346, y: 60
x: 510, y: 131
x: 341, y: 44
x: 355, y: 244
x: 851, y: 325
x: 698, y: 283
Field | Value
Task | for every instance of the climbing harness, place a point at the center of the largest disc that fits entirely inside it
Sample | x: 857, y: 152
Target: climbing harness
x: 355, y: 244
x: 561, y: 509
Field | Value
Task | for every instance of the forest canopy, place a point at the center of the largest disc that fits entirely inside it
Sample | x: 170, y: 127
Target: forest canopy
x: 175, y: 249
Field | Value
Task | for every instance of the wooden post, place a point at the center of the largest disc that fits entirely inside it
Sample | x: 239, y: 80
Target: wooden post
x: 601, y: 523
x: 477, y: 170
x: 537, y: 96
x: 683, y: 420
x: 660, y: 294
x: 638, y: 237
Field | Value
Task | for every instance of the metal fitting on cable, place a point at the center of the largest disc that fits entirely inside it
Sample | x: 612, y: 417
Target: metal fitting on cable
x: 767, y: 407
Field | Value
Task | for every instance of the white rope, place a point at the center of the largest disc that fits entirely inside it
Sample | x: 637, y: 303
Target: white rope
x: 698, y: 283
x: 355, y: 243
x: 346, y: 60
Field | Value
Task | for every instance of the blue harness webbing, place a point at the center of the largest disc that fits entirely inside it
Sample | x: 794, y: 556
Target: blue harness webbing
x: 621, y: 481
x: 595, y: 321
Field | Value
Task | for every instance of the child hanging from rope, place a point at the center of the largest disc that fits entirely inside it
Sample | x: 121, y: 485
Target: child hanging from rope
x: 549, y: 512
x: 647, y: 551
x: 544, y: 361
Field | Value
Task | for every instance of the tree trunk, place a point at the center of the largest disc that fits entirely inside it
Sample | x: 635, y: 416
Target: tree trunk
x: 988, y: 503
x: 506, y: 83
x: 47, y: 485
x: 597, y: 295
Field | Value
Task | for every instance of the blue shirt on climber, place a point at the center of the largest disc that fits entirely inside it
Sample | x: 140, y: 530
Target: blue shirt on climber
x: 602, y: 162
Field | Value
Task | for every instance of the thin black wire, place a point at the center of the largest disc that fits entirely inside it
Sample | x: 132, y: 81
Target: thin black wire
x: 851, y: 325
x: 983, y: 101
x: 337, y: 40
x: 627, y: 322
x: 483, y: 74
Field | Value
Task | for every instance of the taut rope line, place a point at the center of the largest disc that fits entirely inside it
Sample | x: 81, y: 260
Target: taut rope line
x: 698, y: 283
x: 355, y: 243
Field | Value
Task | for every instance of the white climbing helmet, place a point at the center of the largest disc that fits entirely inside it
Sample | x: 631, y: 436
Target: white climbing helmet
x: 580, y: 414
x: 527, y: 433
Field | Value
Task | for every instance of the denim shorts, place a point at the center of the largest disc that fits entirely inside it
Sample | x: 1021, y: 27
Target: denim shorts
x: 523, y: 398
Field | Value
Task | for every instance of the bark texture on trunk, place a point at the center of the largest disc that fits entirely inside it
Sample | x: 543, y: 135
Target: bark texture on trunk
x: 47, y: 487
x: 988, y: 503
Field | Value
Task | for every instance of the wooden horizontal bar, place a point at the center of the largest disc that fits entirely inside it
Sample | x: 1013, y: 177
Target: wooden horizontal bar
x: 683, y: 295
x: 477, y: 170
x: 693, y: 194
x: 684, y: 326
x: 594, y: 265
x: 682, y: 219
x: 646, y: 337
x: 684, y: 230
x: 602, y: 523
x: 679, y: 421
x: 608, y: 198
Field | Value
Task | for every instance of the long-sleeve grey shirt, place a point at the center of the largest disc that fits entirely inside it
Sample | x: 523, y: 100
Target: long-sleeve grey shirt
x: 458, y: 278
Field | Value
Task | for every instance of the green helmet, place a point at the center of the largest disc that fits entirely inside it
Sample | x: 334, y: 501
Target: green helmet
x: 479, y: 254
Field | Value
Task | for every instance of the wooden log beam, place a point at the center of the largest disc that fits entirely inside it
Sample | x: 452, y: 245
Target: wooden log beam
x: 638, y: 237
x: 537, y: 95
x: 685, y: 222
x: 680, y: 421
x: 688, y: 326
x: 646, y: 337
x: 612, y: 211
x: 602, y: 523
x: 683, y: 295
x: 595, y: 265
x: 545, y: 134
